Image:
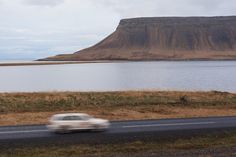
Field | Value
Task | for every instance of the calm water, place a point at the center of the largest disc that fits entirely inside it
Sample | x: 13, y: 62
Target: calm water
x: 199, y: 75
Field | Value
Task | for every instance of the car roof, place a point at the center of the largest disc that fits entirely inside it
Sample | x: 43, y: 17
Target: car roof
x: 70, y: 114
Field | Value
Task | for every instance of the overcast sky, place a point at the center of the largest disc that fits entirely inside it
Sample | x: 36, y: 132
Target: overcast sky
x: 41, y: 28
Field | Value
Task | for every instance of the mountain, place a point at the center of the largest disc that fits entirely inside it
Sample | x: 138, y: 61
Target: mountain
x: 165, y: 38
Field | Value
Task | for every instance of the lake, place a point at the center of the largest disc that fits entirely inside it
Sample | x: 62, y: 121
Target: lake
x: 163, y: 75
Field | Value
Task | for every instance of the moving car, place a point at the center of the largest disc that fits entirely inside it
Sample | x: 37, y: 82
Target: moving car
x: 65, y: 123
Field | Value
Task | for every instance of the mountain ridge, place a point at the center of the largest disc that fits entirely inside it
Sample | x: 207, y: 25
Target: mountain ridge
x: 165, y: 38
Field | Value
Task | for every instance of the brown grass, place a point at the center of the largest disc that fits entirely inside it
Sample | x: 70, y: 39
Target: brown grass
x: 118, y: 114
x: 36, y: 108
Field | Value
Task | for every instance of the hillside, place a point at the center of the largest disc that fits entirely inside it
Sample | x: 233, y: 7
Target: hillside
x: 165, y: 38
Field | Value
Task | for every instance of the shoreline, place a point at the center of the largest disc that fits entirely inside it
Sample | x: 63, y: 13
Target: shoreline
x: 48, y: 62
x: 32, y: 63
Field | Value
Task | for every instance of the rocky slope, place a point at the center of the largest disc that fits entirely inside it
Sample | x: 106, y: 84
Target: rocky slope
x: 165, y: 38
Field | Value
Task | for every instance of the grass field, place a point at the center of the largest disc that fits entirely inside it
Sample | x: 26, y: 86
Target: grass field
x: 36, y: 108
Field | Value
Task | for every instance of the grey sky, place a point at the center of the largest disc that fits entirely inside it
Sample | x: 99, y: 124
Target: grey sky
x: 40, y: 28
x: 43, y: 2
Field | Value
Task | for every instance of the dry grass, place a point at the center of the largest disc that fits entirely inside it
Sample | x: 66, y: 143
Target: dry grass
x: 35, y: 108
x: 117, y: 114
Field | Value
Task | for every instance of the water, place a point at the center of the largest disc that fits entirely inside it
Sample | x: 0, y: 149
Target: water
x: 194, y: 76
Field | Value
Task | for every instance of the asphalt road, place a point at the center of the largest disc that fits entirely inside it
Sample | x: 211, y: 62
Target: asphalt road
x: 122, y: 131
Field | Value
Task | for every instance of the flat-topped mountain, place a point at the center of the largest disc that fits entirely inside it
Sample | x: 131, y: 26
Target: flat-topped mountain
x: 165, y: 38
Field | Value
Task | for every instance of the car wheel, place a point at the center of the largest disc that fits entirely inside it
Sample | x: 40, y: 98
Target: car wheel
x: 63, y: 130
x: 95, y: 127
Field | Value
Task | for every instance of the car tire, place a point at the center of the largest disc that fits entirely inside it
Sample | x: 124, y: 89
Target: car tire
x: 63, y: 130
x: 95, y: 127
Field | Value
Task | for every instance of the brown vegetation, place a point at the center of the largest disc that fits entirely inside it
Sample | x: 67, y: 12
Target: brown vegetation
x: 36, y: 108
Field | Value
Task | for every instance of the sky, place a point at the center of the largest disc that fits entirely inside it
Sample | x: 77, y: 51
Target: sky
x: 32, y: 29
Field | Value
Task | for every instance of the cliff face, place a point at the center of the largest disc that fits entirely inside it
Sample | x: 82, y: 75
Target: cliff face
x: 168, y: 38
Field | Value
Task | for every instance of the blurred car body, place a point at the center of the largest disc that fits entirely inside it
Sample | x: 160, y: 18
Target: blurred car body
x: 65, y: 123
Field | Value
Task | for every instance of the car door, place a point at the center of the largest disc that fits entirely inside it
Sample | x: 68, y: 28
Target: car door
x: 69, y: 121
x: 82, y: 123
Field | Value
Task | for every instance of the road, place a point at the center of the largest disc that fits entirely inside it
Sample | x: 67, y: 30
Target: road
x: 120, y: 131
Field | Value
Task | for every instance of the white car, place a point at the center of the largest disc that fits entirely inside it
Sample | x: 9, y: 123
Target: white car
x: 65, y: 123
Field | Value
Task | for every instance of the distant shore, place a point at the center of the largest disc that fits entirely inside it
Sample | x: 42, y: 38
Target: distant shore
x: 32, y: 63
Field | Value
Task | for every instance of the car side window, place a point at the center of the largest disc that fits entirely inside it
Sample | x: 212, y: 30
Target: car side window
x: 86, y: 117
x: 78, y: 118
x: 72, y: 118
x: 66, y: 118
